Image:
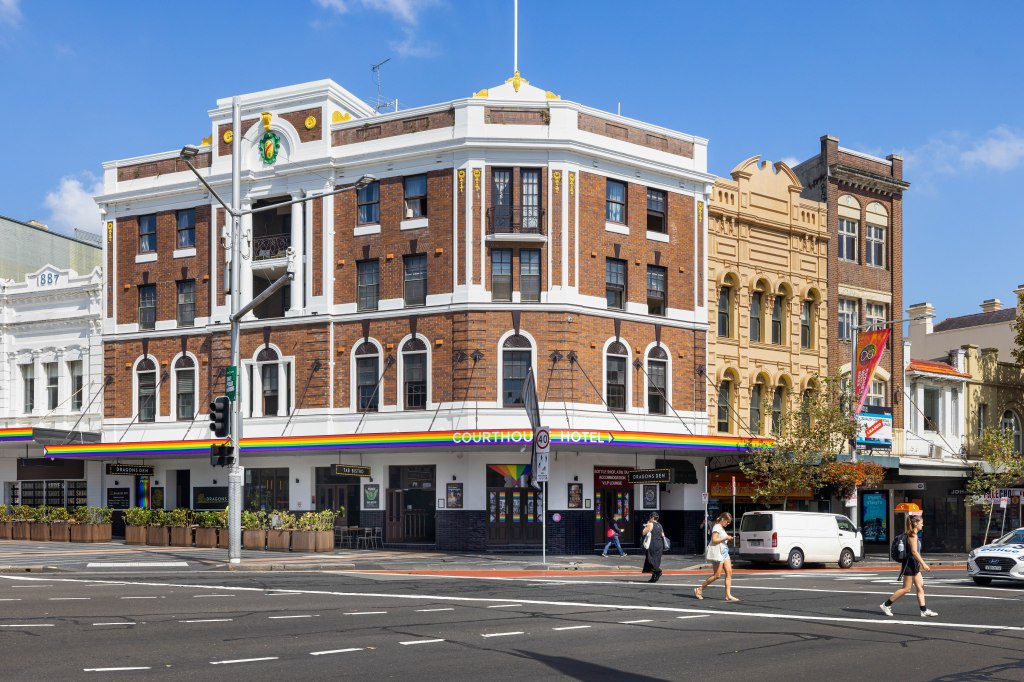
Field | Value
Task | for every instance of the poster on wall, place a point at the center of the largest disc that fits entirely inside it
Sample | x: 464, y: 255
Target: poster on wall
x: 874, y: 517
x: 371, y: 496
x: 119, y: 498
x: 156, y: 497
x: 650, y: 496
x: 210, y: 498
x: 453, y: 496
x: 575, y: 496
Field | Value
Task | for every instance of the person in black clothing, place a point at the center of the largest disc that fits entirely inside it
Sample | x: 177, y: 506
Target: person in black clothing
x: 652, y: 562
x: 615, y: 529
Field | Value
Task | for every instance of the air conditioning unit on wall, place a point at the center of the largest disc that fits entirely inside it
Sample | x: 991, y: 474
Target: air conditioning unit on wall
x: 935, y: 451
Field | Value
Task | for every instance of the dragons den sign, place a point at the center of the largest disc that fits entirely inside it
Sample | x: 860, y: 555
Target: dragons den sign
x: 129, y: 470
x: 650, y: 476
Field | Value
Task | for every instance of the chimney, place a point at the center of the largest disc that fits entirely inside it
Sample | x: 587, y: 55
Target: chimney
x: 991, y: 305
x: 922, y: 310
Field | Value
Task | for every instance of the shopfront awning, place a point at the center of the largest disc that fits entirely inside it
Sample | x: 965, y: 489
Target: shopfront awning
x: 466, y: 440
x: 17, y: 440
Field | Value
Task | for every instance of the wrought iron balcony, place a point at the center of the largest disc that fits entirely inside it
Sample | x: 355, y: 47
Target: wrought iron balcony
x: 515, y: 220
x: 271, y: 246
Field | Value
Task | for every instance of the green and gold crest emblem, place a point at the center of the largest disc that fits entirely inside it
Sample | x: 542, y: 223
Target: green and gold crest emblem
x: 270, y: 143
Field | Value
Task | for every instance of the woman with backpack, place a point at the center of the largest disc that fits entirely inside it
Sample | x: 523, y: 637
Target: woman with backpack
x: 913, y: 564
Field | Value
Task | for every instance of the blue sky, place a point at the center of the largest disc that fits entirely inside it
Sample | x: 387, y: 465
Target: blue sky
x: 938, y: 82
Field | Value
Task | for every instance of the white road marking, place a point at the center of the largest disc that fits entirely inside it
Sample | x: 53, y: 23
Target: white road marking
x: 70, y: 598
x: 503, y: 606
x: 11, y: 599
x: 115, y: 623
x: 282, y: 594
x: 28, y: 625
x: 575, y: 604
x: 333, y: 651
x: 503, y: 634
x: 315, y: 615
x: 421, y: 641
x: 112, y: 670
x: 573, y: 627
x: 31, y: 585
x: 702, y: 615
x: 244, y: 660
x: 363, y: 613
x: 208, y: 620
x: 138, y: 597
x: 201, y: 596
x: 632, y: 622
x: 138, y: 564
x: 432, y: 610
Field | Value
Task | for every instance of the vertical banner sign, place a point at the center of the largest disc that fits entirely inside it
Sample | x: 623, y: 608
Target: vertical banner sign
x: 869, y: 352
x: 231, y: 382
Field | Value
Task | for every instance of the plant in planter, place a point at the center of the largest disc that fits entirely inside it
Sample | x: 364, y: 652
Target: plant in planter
x: 92, y: 524
x: 158, y: 533
x: 6, y: 523
x: 279, y: 536
x: 60, y: 526
x: 206, y: 533
x: 180, y: 521
x: 39, y: 531
x: 21, y: 527
x: 325, y: 529
x: 222, y: 529
x: 254, y: 529
x: 304, y: 535
x: 135, y: 521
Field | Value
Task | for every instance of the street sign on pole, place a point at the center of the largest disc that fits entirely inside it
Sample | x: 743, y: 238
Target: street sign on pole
x: 230, y: 382
x: 542, y: 442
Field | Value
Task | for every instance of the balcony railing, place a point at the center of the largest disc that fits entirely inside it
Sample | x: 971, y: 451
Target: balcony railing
x: 271, y: 246
x: 515, y: 220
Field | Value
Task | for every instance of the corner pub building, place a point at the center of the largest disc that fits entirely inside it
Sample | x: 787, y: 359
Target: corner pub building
x: 504, y: 231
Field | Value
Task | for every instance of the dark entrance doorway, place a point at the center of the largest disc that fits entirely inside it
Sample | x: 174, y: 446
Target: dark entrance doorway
x: 183, y: 488
x: 613, y: 494
x: 513, y: 506
x: 338, y: 493
x: 411, y: 507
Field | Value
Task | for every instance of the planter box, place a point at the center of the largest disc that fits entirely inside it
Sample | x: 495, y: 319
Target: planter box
x: 102, y: 532
x: 158, y: 536
x: 39, y: 531
x: 60, y: 531
x: 206, y: 537
x: 325, y: 541
x: 303, y: 541
x: 181, y: 536
x: 6, y: 530
x: 134, y: 535
x: 254, y: 539
x: 223, y: 538
x: 279, y: 540
x: 86, y: 532
x: 20, y: 530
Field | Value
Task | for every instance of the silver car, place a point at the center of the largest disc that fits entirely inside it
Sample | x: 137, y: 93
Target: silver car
x: 1000, y: 560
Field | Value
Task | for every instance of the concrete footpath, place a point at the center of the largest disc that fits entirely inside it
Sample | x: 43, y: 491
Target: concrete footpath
x: 17, y: 556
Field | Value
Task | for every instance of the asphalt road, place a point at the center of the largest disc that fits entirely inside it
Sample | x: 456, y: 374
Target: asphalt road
x: 281, y: 626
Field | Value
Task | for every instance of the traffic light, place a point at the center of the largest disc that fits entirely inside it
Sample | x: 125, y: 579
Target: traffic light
x: 221, y: 455
x: 220, y: 416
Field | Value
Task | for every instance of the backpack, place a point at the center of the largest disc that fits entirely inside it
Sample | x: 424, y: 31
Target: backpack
x: 898, y: 549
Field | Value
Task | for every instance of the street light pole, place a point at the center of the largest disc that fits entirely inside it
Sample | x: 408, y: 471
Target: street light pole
x: 236, y: 473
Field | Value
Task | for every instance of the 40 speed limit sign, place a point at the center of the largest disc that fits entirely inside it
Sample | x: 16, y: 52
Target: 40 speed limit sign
x: 542, y: 441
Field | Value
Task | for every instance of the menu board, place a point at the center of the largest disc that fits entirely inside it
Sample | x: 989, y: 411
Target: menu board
x: 119, y: 498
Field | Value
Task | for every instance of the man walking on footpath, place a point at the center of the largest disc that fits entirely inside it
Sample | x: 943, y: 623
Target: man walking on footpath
x: 613, y: 536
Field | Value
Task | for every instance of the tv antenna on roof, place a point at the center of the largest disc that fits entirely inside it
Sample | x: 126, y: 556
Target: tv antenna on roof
x: 382, y: 104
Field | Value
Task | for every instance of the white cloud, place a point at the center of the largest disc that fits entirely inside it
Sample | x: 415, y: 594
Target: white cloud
x: 10, y: 12
x: 71, y: 204
x: 790, y: 161
x: 1002, y: 149
x: 406, y: 11
x: 408, y: 47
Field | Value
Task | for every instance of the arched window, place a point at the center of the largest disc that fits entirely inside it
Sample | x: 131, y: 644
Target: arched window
x: 617, y: 360
x: 725, y: 405
x: 807, y: 402
x: 1011, y: 424
x: 725, y: 311
x: 756, y: 399
x: 657, y: 375
x: 849, y: 227
x: 778, y: 406
x: 756, y: 311
x: 185, y: 388
x: 367, y: 376
x: 414, y: 374
x: 777, y: 319
x: 808, y: 308
x: 516, y: 358
x: 145, y: 373
x: 270, y: 384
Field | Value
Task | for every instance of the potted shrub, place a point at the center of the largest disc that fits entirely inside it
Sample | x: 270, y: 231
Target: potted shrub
x: 222, y: 529
x: 92, y: 524
x: 279, y: 535
x: 158, y: 533
x: 304, y: 535
x: 135, y: 521
x: 180, y: 521
x: 6, y: 523
x: 60, y: 526
x: 206, y: 533
x: 39, y: 530
x: 21, y: 527
x: 254, y: 529
x: 325, y: 529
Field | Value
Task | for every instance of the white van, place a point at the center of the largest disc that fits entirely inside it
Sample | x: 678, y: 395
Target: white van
x: 799, y: 537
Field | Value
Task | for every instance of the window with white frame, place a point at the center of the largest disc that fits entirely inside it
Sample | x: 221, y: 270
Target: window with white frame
x: 724, y: 311
x: 724, y: 406
x: 77, y: 385
x: 28, y: 383
x: 501, y: 274
x: 657, y: 380
x: 147, y: 306
x: 932, y: 409
x: 145, y: 373
x: 516, y: 359
x: 186, y: 228
x: 415, y: 279
x: 529, y: 274
x: 777, y: 319
x: 185, y: 388
x: 657, y: 289
x: 875, y: 246
x: 415, y: 196
x: 874, y: 315
x: 186, y: 314
x: 876, y: 393
x: 368, y: 204
x: 656, y: 210
x: 982, y: 418
x: 367, y: 284
x: 756, y: 398
x: 847, y: 314
x: 756, y: 312
x: 414, y: 374
x: 269, y: 384
x: 367, y: 377
x: 615, y: 282
x: 615, y: 201
x: 954, y: 410
x: 616, y: 360
x: 52, y: 370
x: 1011, y: 424
x: 848, y: 239
x: 778, y: 407
x: 806, y: 324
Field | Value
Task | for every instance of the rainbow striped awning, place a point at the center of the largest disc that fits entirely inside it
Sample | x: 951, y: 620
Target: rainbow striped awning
x: 477, y: 439
x: 45, y: 437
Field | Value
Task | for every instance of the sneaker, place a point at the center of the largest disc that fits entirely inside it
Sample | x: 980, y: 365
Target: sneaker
x: 887, y: 610
x: 604, y: 555
x: 928, y: 613
x: 623, y: 554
